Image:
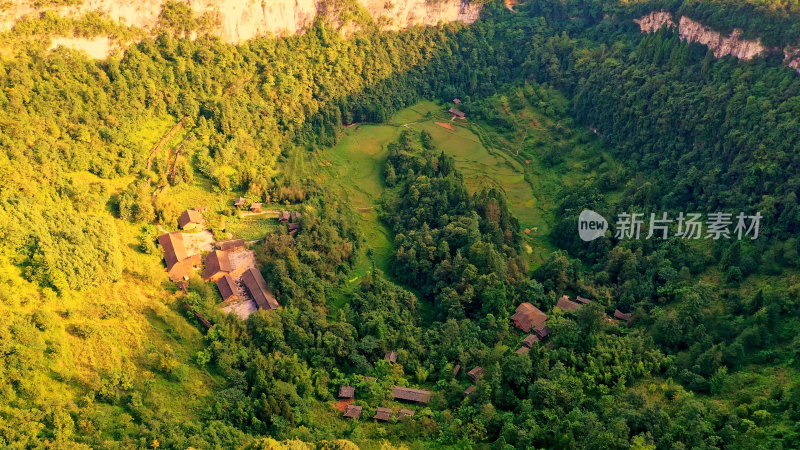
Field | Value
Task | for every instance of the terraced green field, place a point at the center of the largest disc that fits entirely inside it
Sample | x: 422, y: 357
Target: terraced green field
x: 355, y: 167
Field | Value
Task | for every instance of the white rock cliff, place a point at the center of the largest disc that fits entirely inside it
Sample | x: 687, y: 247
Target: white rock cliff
x: 240, y: 20
x: 733, y: 44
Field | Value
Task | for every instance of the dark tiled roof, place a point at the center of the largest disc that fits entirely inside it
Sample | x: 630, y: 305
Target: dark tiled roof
x: 347, y: 392
x: 622, y: 316
x: 583, y: 300
x: 217, y: 262
x: 391, y: 357
x: 411, y: 395
x: 233, y: 244
x: 183, y: 268
x: 530, y: 340
x: 190, y: 216
x: 257, y: 288
x: 456, y: 112
x: 476, y: 373
x: 542, y: 331
x: 456, y: 369
x: 528, y: 316
x: 174, y: 249
x: 522, y: 350
x: 227, y: 287
x: 469, y: 390
x: 566, y: 304
x: 352, y: 411
x: 383, y: 414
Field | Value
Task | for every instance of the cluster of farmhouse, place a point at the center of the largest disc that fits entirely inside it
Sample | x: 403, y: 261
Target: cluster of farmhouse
x: 384, y: 414
x: 228, y: 263
x: 527, y: 318
x: 457, y: 114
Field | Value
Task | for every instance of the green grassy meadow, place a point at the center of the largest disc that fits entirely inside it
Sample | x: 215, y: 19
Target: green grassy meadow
x: 486, y: 158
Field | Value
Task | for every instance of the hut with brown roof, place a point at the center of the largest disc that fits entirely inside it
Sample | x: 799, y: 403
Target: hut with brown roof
x: 218, y: 264
x: 383, y: 414
x: 293, y: 227
x: 566, y: 304
x: 583, y: 300
x: 623, y: 316
x: 352, y: 412
x: 522, y: 350
x: 469, y: 390
x: 231, y: 245
x: 257, y: 288
x: 294, y: 216
x: 179, y: 263
x: 347, y: 392
x: 255, y: 207
x: 476, y: 373
x: 191, y: 219
x: 174, y: 250
x: 403, y: 413
x: 411, y: 395
x: 457, y: 114
x: 240, y: 202
x: 456, y: 369
x: 456, y: 101
x: 227, y: 288
x: 528, y: 316
x: 542, y: 331
x: 283, y: 216
x: 390, y: 356
x: 182, y: 269
x: 530, y: 340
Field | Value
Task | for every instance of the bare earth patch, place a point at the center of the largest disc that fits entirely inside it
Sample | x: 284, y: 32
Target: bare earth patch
x: 240, y: 262
x: 240, y: 308
x: 446, y: 125
x: 341, y: 405
x: 202, y: 241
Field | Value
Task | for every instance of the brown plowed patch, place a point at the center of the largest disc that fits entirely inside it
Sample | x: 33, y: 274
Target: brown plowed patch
x: 341, y: 405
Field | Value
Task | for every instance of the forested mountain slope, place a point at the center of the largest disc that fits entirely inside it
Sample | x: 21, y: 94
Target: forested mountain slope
x: 100, y: 349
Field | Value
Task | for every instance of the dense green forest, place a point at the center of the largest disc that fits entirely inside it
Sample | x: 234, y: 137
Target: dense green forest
x: 99, y: 349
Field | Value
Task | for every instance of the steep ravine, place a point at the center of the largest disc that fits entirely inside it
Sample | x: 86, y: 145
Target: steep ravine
x: 731, y: 45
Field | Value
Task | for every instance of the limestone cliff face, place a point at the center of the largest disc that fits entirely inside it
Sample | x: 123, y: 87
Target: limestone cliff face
x: 240, y: 20
x: 694, y: 31
x: 654, y: 21
x: 733, y: 44
x: 791, y: 57
x: 400, y: 14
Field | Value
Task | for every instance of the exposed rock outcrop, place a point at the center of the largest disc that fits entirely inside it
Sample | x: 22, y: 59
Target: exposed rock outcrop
x: 733, y: 44
x: 654, y: 21
x: 240, y: 20
x: 791, y: 57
